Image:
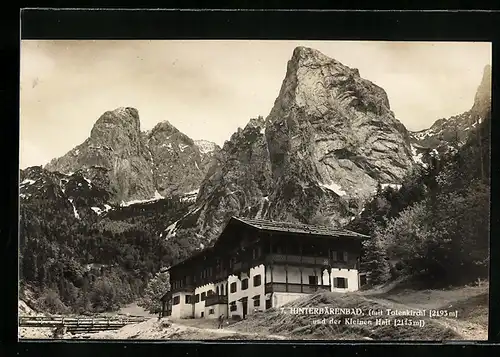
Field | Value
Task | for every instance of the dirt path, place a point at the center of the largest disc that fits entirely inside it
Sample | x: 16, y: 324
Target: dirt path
x: 135, y: 310
x: 154, y: 329
x: 467, y: 330
x: 202, y: 328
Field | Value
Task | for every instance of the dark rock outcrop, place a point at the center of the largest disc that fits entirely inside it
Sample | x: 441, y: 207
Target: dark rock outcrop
x: 178, y: 164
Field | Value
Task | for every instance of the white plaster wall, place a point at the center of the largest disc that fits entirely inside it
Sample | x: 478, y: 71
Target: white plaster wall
x: 219, y: 285
x: 249, y: 293
x: 279, y: 299
x: 352, y: 279
x: 219, y: 309
x: 200, y: 306
x: 181, y: 310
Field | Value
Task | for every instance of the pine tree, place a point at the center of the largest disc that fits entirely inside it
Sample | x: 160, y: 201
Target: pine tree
x: 375, y: 261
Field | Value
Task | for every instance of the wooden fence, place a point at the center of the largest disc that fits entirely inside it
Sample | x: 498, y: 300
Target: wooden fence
x: 80, y: 324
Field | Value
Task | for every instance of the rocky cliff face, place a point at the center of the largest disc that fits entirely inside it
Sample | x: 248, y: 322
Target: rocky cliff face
x: 239, y: 181
x: 115, y: 144
x: 83, y: 194
x: 456, y: 130
x: 138, y: 165
x: 332, y: 137
x: 178, y: 164
x: 208, y: 150
x: 329, y: 139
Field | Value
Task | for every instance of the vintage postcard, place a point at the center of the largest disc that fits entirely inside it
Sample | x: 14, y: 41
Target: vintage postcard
x: 254, y: 190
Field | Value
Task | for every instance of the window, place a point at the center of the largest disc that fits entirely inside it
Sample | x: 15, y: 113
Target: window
x: 244, y: 284
x: 340, y: 283
x: 210, y: 292
x: 334, y: 255
x: 313, y: 280
x: 188, y: 299
x: 340, y: 256
x: 233, y: 287
x: 256, y: 301
x: 257, y: 280
x: 268, y: 304
x: 203, y: 295
x: 176, y: 300
x: 211, y: 311
x: 344, y: 256
x: 197, y: 298
x: 233, y: 306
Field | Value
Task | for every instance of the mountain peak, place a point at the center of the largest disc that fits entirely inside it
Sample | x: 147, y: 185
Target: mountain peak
x: 258, y: 122
x: 482, y: 99
x: 122, y: 117
x: 165, y: 126
x: 302, y: 52
x: 320, y: 84
x: 312, y: 58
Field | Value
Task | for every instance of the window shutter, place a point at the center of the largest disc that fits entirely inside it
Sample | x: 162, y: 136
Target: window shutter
x: 335, y: 282
x: 345, y: 256
x: 346, y: 282
x: 334, y: 255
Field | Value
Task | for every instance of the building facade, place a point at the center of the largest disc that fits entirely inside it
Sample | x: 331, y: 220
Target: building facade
x: 256, y: 265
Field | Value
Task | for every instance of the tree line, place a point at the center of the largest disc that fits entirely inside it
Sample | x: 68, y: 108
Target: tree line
x: 436, y: 227
x: 78, y: 266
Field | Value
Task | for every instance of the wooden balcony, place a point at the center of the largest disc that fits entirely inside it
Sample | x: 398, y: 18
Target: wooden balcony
x: 186, y: 288
x: 240, y: 267
x: 215, y: 299
x: 294, y: 288
x: 298, y: 260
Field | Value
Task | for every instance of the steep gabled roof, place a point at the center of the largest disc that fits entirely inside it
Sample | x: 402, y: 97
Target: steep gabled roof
x: 273, y: 226
x: 300, y: 228
x: 192, y: 257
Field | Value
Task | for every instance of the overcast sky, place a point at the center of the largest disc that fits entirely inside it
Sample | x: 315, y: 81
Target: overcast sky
x: 207, y: 89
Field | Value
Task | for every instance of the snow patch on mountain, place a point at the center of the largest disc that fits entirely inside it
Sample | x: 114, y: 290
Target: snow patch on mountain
x: 97, y: 210
x: 28, y: 182
x: 392, y: 185
x: 334, y: 187
x: 88, y: 181
x: 416, y: 156
x: 205, y: 146
x: 156, y: 197
x: 170, y: 231
x: 190, y: 196
x: 100, y: 211
x: 75, y: 212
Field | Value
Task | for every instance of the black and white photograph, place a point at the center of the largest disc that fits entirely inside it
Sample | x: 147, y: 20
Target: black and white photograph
x: 254, y: 190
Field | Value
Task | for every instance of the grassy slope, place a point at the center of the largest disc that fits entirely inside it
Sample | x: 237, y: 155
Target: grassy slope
x: 471, y: 303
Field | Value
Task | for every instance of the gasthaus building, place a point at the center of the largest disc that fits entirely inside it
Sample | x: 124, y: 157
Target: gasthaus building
x: 257, y: 264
